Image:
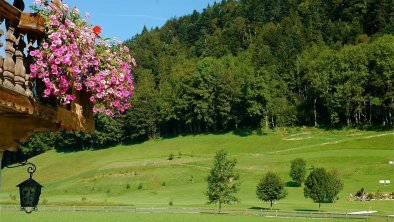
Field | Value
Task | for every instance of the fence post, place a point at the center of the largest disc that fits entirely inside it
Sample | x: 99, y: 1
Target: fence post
x: 276, y: 213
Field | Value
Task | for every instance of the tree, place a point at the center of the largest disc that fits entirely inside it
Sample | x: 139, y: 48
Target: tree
x: 336, y: 184
x: 222, y: 181
x: 271, y: 188
x: 141, y: 121
x: 322, y: 186
x: 298, y: 170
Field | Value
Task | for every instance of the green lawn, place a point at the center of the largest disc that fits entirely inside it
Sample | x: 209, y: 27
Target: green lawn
x: 127, y: 217
x: 102, y: 177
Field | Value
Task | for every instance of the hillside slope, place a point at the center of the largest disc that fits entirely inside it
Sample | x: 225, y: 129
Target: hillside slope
x: 142, y: 175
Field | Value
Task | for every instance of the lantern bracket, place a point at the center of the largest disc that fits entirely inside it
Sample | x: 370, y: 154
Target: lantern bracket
x: 30, y: 190
x: 31, y: 169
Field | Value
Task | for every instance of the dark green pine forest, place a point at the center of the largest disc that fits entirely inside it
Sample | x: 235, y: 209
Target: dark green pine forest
x: 256, y: 64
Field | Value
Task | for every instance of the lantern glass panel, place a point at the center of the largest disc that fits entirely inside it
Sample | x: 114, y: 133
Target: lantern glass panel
x: 30, y: 192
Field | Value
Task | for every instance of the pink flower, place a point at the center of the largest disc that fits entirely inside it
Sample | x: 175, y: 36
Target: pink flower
x: 76, y: 70
x: 45, y: 45
x: 116, y: 103
x: 78, y: 87
x: 108, y: 112
x: 39, y: 2
x: 75, y: 11
x: 92, y: 99
x: 87, y: 15
x: 66, y: 7
x: 47, y: 92
x: 33, y: 68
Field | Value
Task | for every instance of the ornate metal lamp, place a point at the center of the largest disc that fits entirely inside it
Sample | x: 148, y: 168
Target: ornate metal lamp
x: 29, y: 190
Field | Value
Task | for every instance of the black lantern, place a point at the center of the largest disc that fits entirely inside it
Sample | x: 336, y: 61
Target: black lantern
x: 29, y: 190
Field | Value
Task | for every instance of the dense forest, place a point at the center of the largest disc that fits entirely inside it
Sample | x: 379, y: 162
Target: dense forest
x: 257, y: 64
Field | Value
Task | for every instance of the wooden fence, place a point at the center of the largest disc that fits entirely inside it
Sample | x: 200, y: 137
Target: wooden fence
x: 235, y: 212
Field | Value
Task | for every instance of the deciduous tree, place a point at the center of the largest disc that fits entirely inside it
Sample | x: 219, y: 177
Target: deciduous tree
x: 222, y: 181
x: 271, y: 188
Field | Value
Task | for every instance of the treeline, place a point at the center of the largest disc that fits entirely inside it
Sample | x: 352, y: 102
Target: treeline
x: 255, y: 64
x: 266, y: 63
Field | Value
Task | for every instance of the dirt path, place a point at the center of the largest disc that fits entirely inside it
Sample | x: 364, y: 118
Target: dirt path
x: 331, y: 142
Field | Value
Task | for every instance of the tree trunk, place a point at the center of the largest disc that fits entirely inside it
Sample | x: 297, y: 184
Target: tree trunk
x: 314, y: 111
x: 272, y: 122
x: 370, y: 113
x: 271, y: 204
x: 220, y: 206
x: 365, y: 112
x: 319, y: 206
x: 266, y: 122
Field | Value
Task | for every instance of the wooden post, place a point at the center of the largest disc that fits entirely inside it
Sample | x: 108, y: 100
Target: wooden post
x: 9, y: 63
x: 1, y: 157
x: 1, y: 57
x: 20, y: 70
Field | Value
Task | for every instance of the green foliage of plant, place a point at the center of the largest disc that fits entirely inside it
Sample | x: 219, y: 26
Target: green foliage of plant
x: 271, y: 188
x: 298, y: 170
x: 322, y: 186
x: 222, y: 181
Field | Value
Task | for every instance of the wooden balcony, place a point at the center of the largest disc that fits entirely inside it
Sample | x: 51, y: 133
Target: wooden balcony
x: 23, y: 111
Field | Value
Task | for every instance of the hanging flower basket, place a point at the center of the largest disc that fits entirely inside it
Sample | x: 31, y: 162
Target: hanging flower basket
x: 74, y: 57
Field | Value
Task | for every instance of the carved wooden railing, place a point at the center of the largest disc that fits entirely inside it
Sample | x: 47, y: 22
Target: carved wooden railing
x: 22, y: 111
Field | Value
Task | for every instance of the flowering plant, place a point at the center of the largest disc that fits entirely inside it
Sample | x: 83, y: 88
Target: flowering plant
x: 74, y: 56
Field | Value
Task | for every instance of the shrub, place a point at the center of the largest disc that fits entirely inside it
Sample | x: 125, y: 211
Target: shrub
x: 360, y: 193
x: 139, y: 186
x: 171, y: 156
x: 370, y: 196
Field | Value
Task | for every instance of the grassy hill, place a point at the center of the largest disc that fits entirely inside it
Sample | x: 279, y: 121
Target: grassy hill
x: 141, y: 175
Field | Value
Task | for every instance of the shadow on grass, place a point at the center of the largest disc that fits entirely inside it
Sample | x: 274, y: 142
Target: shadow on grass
x: 262, y: 208
x: 243, y: 132
x: 306, y: 210
x: 292, y: 184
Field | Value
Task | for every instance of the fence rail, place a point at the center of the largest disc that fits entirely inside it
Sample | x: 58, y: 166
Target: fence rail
x: 235, y: 212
